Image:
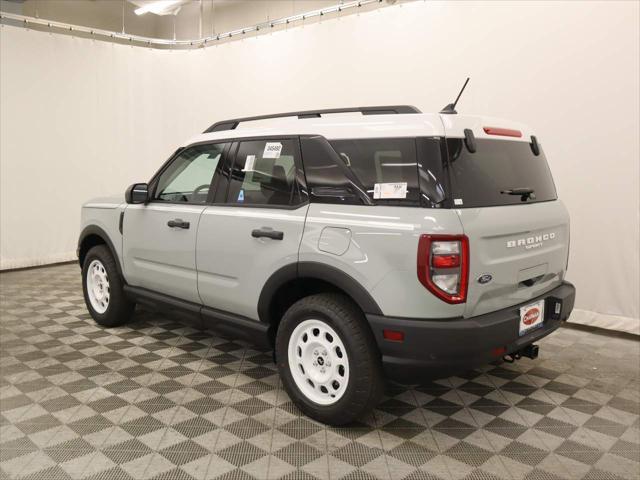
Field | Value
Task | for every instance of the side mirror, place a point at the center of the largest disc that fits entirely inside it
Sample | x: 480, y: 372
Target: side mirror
x: 137, y: 193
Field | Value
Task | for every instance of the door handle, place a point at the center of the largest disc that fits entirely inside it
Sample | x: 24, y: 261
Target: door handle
x: 178, y: 223
x: 268, y: 233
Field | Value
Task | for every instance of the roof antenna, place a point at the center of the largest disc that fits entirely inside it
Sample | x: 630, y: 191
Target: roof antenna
x: 451, y: 108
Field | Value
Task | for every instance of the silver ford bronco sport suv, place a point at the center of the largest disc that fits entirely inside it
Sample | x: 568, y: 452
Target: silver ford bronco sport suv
x: 357, y: 243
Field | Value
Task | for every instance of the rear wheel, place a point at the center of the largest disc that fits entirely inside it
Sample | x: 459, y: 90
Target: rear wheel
x: 102, y: 288
x: 322, y: 341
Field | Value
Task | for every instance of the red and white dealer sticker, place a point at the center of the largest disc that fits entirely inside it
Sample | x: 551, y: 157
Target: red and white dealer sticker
x: 531, y: 316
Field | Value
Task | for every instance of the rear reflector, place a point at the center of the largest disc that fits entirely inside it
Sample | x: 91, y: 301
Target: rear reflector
x: 505, y: 132
x: 498, y: 351
x: 393, y: 335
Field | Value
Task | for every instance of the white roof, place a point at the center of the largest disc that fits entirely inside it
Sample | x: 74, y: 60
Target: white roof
x: 356, y: 125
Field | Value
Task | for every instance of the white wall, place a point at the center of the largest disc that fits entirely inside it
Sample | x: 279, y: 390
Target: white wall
x: 81, y: 118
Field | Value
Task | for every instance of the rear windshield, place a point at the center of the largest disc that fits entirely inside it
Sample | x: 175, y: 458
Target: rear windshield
x: 391, y: 170
x: 484, y: 178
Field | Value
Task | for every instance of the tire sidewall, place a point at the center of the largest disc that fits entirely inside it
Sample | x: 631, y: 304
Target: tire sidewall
x: 110, y: 316
x: 296, y: 315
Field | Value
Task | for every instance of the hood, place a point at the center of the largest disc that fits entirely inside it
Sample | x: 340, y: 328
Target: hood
x: 111, y: 201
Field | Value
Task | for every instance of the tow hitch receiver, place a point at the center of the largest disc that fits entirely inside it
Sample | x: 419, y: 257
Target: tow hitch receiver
x: 530, y: 351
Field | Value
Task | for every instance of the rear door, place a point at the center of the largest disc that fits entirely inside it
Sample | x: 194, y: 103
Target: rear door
x: 159, y: 238
x: 256, y: 228
x: 518, y: 241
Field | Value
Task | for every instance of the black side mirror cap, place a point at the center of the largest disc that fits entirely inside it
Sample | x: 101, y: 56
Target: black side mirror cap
x: 535, y: 146
x: 470, y: 140
x: 137, y: 193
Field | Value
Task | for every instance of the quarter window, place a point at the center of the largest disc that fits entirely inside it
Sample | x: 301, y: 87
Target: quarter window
x: 188, y: 178
x: 386, y: 167
x: 264, y: 173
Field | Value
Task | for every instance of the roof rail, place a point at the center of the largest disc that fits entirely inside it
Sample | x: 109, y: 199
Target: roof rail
x: 380, y: 110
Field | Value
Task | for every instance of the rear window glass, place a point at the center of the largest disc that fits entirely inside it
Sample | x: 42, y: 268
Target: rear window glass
x: 484, y: 178
x: 386, y: 167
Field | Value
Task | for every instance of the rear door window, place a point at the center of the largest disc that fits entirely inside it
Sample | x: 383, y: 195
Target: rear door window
x: 484, y: 178
x: 264, y: 173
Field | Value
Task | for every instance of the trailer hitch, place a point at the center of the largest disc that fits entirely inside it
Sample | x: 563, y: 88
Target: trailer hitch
x: 530, y: 351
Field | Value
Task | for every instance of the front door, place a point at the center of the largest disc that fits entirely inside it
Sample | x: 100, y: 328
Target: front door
x: 159, y: 238
x: 257, y: 229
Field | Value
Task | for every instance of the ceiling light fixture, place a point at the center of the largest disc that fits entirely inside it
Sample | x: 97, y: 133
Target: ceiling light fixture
x: 158, y: 7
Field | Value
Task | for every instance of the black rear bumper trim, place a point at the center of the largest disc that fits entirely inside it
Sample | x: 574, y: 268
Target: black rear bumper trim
x: 441, y: 347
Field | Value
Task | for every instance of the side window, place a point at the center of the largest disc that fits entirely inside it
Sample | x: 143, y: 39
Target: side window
x: 386, y: 167
x: 329, y: 179
x: 188, y: 178
x: 264, y: 173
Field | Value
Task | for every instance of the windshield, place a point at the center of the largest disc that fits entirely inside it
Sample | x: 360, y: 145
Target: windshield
x: 500, y: 172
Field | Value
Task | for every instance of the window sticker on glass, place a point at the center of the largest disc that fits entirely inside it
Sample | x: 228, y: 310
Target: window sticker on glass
x: 458, y: 201
x: 384, y: 191
x: 249, y: 163
x: 272, y: 150
x: 241, y: 196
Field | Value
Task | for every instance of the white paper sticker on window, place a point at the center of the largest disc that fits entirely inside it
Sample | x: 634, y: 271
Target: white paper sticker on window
x: 384, y: 191
x: 272, y: 150
x: 458, y: 201
x: 249, y: 163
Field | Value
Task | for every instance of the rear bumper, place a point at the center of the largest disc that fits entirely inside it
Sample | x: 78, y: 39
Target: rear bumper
x: 435, y: 348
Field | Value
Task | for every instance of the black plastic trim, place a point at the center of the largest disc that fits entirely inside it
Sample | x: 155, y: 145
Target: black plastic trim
x: 235, y: 326
x: 443, y: 347
x: 233, y: 123
x: 470, y: 140
x: 276, y: 280
x: 319, y: 271
x: 439, y: 165
x: 535, y: 146
x: 164, y: 303
x: 258, y: 205
x: 343, y: 281
x: 95, y: 230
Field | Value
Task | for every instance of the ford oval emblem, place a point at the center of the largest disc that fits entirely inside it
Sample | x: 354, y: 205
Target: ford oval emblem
x: 486, y: 278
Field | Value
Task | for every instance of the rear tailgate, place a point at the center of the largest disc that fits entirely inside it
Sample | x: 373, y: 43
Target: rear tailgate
x: 523, y: 248
x: 503, y: 192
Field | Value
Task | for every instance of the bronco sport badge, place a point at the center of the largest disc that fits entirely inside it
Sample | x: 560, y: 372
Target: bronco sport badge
x: 531, y: 242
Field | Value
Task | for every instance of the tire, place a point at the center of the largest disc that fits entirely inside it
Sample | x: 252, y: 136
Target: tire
x: 358, y: 373
x: 106, y: 303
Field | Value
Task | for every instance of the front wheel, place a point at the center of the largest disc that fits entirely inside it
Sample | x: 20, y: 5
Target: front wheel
x: 102, y: 288
x: 328, y: 360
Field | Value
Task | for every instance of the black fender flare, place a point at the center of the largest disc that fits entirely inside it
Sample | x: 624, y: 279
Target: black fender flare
x: 96, y: 230
x: 320, y: 271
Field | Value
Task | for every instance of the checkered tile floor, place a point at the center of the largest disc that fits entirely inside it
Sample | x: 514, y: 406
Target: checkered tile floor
x: 158, y: 399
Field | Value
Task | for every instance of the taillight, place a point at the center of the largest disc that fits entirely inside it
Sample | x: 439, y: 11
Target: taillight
x: 443, y: 266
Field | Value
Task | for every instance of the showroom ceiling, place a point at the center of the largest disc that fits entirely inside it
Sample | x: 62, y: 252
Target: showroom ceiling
x: 167, y: 19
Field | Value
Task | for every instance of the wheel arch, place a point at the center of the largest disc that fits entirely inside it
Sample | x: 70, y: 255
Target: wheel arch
x: 91, y: 236
x: 297, y: 280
